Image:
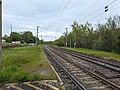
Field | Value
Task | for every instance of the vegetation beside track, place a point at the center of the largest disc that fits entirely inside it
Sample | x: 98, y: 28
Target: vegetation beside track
x: 24, y: 63
x: 105, y: 37
x: 97, y: 53
x: 12, y: 45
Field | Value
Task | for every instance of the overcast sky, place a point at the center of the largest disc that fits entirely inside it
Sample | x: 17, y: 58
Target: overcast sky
x: 53, y: 16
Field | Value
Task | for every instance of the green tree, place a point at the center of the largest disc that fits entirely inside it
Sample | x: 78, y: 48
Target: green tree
x: 105, y: 37
x: 60, y: 41
x: 15, y: 36
x: 28, y: 37
x: 6, y: 38
x: 41, y: 41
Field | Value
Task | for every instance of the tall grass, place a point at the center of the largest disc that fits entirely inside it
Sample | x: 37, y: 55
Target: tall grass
x: 23, y: 63
x: 97, y: 53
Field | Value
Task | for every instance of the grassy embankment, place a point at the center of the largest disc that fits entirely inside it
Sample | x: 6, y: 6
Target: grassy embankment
x: 25, y: 64
x: 97, y: 53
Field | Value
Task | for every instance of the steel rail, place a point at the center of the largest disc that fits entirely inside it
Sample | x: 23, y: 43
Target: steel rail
x: 80, y: 86
x: 90, y: 57
x: 95, y: 61
x: 109, y: 83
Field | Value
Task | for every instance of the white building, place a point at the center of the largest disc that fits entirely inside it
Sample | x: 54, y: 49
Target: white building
x: 3, y: 41
x: 16, y: 42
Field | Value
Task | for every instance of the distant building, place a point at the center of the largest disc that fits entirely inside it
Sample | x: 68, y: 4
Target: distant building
x: 3, y: 41
x: 16, y: 42
x: 32, y: 44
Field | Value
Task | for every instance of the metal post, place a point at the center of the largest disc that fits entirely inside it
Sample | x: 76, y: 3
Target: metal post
x: 55, y: 38
x: 37, y: 36
x: 41, y: 37
x: 70, y: 41
x: 74, y: 45
x: 0, y: 31
x: 11, y: 34
x: 66, y: 37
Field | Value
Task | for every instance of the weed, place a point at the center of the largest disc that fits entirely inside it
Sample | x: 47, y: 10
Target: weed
x: 19, y: 64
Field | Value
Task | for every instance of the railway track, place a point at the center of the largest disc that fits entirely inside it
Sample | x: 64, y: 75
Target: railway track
x: 69, y: 81
x: 102, y: 65
x: 105, y: 63
x: 86, y: 80
x: 33, y: 85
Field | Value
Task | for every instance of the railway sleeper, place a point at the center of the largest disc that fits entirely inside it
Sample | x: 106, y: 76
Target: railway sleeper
x: 76, y: 71
x: 95, y: 87
x: 109, y: 75
x: 92, y: 82
x: 100, y: 88
x: 85, y: 78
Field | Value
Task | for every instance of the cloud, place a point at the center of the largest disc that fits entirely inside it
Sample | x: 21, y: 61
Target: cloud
x: 19, y: 14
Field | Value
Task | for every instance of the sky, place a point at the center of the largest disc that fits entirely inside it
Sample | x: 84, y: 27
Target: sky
x: 53, y: 16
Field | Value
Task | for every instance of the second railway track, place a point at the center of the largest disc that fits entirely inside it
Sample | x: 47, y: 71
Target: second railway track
x: 86, y: 79
x: 113, y: 65
x: 100, y: 66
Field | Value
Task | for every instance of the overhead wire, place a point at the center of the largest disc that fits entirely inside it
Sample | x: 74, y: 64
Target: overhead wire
x: 115, y: 4
x: 115, y: 8
x: 86, y: 9
x: 31, y: 8
x: 64, y: 8
x: 103, y: 12
x: 62, y: 11
x: 93, y: 13
x: 56, y: 12
x: 100, y: 9
x: 97, y: 10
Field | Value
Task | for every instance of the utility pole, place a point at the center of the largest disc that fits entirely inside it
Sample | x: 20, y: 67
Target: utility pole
x: 11, y: 34
x: 0, y: 32
x: 70, y: 40
x: 37, y: 36
x: 55, y: 38
x: 41, y: 37
x: 66, y: 37
x: 74, y: 45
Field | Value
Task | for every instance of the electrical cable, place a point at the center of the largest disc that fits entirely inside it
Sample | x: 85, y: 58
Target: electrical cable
x: 56, y: 12
x: 94, y: 11
x: 103, y: 12
x: 86, y: 9
x: 61, y: 12
x: 31, y: 8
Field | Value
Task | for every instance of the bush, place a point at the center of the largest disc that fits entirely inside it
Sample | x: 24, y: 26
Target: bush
x: 12, y: 45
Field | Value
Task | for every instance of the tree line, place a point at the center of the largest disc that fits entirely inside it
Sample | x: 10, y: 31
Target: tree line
x: 24, y: 37
x: 104, y: 37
